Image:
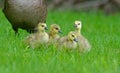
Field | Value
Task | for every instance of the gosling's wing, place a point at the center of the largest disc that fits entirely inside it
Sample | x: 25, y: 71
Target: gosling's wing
x: 32, y: 38
x: 84, y: 43
x: 62, y: 39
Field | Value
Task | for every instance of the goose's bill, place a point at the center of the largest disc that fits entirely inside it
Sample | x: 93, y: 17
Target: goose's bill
x: 75, y: 40
x: 46, y: 28
x: 60, y: 31
x: 75, y: 26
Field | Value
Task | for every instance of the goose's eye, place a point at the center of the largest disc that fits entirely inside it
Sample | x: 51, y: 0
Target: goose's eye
x: 73, y: 36
x: 78, y: 23
x: 56, y: 28
x: 42, y: 25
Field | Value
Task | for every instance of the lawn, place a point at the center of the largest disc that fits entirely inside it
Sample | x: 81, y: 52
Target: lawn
x: 102, y: 31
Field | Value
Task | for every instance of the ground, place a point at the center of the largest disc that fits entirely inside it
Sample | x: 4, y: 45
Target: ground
x: 102, y: 31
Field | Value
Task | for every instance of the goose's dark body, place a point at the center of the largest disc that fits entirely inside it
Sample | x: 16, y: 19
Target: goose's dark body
x: 25, y: 14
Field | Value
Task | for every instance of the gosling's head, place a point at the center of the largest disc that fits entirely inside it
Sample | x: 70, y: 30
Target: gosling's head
x: 42, y: 27
x: 55, y: 28
x: 72, y: 36
x: 78, y: 24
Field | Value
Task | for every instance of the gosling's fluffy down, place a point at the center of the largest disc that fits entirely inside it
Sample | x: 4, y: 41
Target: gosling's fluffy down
x: 53, y: 35
x: 40, y: 37
x: 69, y: 41
x: 83, y: 43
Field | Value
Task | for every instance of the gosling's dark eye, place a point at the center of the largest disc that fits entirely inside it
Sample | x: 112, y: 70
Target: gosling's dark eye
x: 56, y: 28
x: 73, y: 36
x: 78, y: 23
x: 42, y: 25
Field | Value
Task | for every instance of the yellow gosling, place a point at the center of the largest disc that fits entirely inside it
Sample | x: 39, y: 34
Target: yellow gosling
x: 83, y: 43
x: 68, y: 42
x: 53, y: 35
x: 40, y: 37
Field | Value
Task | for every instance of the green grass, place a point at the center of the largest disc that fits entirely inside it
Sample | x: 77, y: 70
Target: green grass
x: 102, y: 31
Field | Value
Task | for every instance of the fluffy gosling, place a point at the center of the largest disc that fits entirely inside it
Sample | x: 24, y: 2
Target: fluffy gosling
x: 69, y: 41
x: 53, y: 35
x: 40, y: 37
x: 83, y: 43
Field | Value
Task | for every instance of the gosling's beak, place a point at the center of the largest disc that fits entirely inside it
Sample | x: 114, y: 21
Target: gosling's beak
x: 46, y: 28
x: 75, y: 25
x: 75, y: 40
x: 60, y: 31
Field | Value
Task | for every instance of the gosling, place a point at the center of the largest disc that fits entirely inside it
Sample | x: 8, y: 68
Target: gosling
x: 53, y: 35
x: 83, y: 43
x: 40, y: 37
x: 69, y: 42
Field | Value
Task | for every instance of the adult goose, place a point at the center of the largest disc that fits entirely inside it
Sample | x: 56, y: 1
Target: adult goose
x: 25, y: 14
